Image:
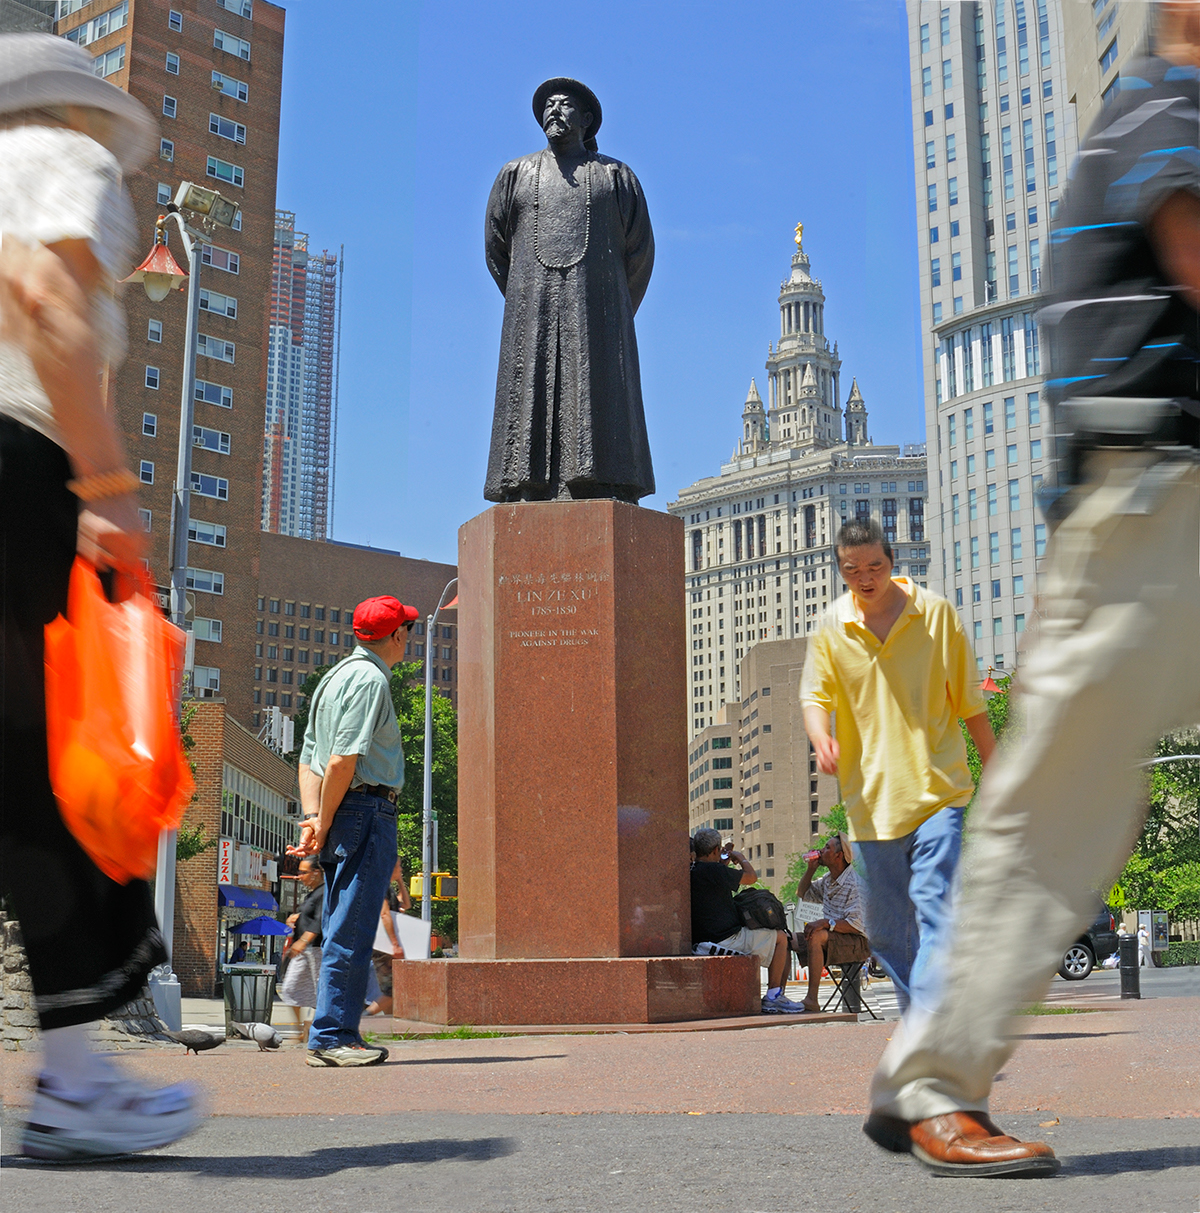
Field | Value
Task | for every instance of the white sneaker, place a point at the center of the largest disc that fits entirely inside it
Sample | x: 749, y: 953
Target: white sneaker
x: 119, y: 1117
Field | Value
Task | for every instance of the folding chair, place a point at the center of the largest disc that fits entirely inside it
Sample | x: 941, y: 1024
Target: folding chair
x: 846, y: 994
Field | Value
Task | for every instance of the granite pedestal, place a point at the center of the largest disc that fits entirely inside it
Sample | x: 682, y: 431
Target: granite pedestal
x: 572, y: 781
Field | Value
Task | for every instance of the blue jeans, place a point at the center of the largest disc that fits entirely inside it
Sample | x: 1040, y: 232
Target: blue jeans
x: 357, y: 859
x: 910, y: 882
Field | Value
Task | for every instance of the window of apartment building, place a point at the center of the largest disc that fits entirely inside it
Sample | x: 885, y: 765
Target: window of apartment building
x: 214, y: 393
x: 206, y: 678
x: 305, y: 610
x: 335, y: 616
x: 927, y: 82
x: 951, y: 151
x: 976, y: 596
x: 272, y: 674
x: 931, y: 197
x: 930, y: 156
x: 1109, y: 57
x: 303, y: 657
x: 222, y: 170
x: 977, y: 630
x: 242, y: 8
x: 210, y: 533
x: 937, y: 313
x: 289, y: 629
x: 152, y: 377
x: 207, y: 629
x: 933, y: 235
x: 994, y: 547
x: 947, y: 74
x: 216, y: 347
x: 935, y: 272
x: 956, y: 267
x: 220, y: 305
x: 319, y: 613
x: 210, y: 486
x: 274, y: 606
x: 163, y: 195
x: 1014, y: 496
x: 970, y: 465
x: 175, y: 20
x: 146, y: 519
x: 231, y: 87
x: 288, y: 675
x: 231, y: 45
x: 205, y: 580
x: 1018, y: 583
x: 169, y: 107
x: 952, y: 190
x: 958, y: 556
x: 289, y: 608
x: 271, y: 699
x: 154, y: 330
x: 1035, y: 409
x: 235, y: 132
x: 166, y: 150
x: 989, y: 458
x: 993, y: 500
x: 272, y: 652
x: 150, y: 425
x: 974, y: 551
x: 219, y: 258
x: 146, y: 475
x: 106, y: 63
x: 210, y: 440
x: 1016, y: 546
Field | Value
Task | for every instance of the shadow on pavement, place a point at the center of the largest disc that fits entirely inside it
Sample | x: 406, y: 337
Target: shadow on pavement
x: 474, y: 1061
x: 1118, y: 1162
x: 316, y: 1165
x: 1067, y: 1035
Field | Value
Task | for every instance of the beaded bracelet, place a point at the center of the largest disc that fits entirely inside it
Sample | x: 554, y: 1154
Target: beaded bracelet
x: 104, y: 484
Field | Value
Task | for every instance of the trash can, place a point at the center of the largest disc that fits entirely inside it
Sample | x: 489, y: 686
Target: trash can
x: 249, y: 994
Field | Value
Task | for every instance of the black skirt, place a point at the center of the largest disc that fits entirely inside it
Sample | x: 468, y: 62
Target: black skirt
x: 90, y: 941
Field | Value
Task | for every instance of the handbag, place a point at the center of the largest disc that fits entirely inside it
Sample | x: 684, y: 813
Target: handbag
x: 117, y: 765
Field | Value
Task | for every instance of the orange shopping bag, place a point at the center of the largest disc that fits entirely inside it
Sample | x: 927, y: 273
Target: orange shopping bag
x: 117, y: 764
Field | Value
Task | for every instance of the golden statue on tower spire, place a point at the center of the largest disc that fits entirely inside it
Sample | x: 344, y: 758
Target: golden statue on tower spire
x: 799, y: 234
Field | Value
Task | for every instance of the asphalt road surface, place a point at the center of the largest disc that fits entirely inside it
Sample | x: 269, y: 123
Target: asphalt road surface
x: 455, y: 1163
x: 1180, y: 982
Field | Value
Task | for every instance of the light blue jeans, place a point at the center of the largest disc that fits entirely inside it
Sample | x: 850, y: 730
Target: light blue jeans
x: 910, y: 883
x: 357, y: 859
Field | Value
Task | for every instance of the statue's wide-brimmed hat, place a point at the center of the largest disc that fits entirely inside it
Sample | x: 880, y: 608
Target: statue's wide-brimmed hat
x: 564, y: 84
x: 39, y: 70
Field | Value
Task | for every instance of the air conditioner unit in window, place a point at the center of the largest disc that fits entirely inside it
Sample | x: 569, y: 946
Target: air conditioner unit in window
x: 203, y: 692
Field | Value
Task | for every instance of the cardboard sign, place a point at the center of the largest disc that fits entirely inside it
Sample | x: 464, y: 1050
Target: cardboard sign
x: 412, y: 933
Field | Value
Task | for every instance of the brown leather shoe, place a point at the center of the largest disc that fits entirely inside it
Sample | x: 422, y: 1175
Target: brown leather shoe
x: 970, y: 1144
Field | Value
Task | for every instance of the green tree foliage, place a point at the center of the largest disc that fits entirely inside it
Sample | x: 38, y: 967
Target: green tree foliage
x: 835, y: 823
x: 408, y: 696
x: 190, y: 841
x: 998, y: 713
x: 1163, y: 873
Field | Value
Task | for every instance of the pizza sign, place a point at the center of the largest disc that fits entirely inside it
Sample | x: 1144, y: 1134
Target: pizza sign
x: 225, y: 862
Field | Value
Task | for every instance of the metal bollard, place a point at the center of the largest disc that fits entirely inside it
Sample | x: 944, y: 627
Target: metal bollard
x: 1131, y: 980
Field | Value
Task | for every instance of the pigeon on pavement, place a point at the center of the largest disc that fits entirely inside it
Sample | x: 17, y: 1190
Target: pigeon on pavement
x: 263, y: 1035
x: 196, y: 1040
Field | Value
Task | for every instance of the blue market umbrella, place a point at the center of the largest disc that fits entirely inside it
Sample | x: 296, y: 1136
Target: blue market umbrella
x: 262, y: 926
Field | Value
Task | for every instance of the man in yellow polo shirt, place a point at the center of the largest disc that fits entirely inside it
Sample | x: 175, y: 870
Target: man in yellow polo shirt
x: 892, y: 665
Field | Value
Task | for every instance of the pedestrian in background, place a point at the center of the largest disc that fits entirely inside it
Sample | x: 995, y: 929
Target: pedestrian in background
x: 67, y: 233
x: 302, y: 956
x: 1116, y: 662
x: 396, y: 902
x: 351, y: 769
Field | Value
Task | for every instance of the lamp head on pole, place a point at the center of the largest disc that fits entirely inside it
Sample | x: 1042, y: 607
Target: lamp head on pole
x: 160, y: 273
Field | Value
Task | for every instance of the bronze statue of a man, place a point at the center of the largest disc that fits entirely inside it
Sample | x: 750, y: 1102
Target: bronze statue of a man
x: 569, y: 244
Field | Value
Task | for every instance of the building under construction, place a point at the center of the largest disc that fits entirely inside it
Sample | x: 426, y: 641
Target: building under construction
x: 300, y: 431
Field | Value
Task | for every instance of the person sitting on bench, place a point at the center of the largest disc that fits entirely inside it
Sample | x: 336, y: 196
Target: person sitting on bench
x: 838, y: 938
x: 716, y: 924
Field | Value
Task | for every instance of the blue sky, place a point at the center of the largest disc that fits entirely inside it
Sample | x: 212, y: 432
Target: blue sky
x: 739, y: 120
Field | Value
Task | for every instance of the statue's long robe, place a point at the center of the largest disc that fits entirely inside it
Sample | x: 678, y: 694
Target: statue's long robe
x: 569, y: 411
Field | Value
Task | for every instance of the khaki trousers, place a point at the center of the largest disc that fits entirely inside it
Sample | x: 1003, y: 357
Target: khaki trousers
x: 1115, y: 664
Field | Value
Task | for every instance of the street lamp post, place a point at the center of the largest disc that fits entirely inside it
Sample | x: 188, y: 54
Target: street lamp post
x: 159, y: 274
x: 427, y: 823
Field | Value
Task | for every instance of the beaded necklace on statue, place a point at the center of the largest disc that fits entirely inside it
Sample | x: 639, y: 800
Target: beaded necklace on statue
x: 537, y: 203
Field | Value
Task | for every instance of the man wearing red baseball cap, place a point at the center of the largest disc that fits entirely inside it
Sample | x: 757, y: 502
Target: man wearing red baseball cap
x: 351, y: 768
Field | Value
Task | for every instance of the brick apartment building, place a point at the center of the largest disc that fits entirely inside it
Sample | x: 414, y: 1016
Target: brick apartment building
x: 210, y: 71
x: 307, y: 593
x: 247, y: 798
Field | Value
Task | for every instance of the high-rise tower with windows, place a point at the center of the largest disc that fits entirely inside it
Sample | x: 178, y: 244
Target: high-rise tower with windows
x: 210, y: 71
x: 993, y: 137
x: 301, y: 385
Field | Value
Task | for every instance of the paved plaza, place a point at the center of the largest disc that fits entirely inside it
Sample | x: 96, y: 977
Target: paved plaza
x: 731, y: 1120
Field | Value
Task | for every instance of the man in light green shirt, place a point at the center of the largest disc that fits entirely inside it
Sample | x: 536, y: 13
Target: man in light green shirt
x: 351, y: 768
